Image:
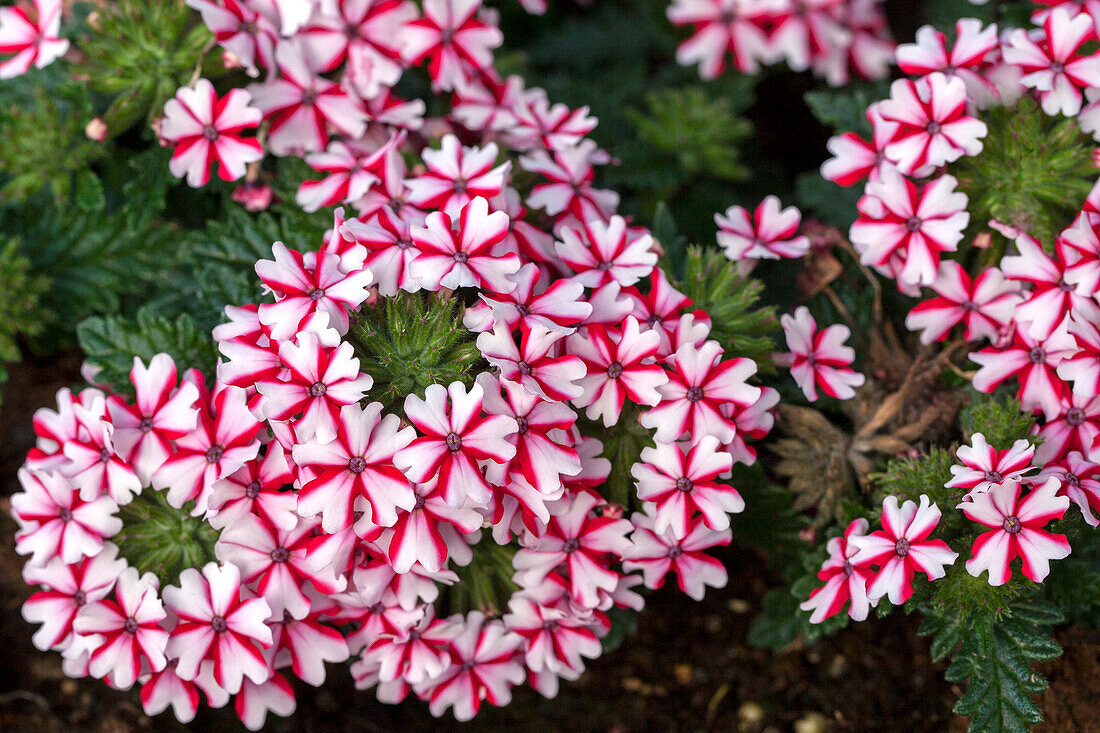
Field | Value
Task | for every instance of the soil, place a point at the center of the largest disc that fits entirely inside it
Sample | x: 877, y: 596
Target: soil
x: 686, y: 668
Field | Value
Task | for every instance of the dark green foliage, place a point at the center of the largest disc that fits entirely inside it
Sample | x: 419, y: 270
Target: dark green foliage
x: 825, y: 200
x: 622, y: 445
x: 160, y: 539
x: 908, y: 478
x: 485, y: 583
x: 845, y: 109
x: 53, y: 120
x: 411, y: 341
x: 139, y: 53
x: 111, y: 343
x: 740, y: 323
x: 993, y: 656
x: 769, y: 521
x: 1034, y: 173
x: 18, y: 302
x: 997, y: 417
x: 781, y: 622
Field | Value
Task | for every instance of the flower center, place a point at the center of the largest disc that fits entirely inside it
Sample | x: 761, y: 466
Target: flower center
x: 358, y: 464
x: 419, y: 502
x: 218, y: 624
x: 280, y: 554
x: 994, y: 475
x: 146, y: 424
x: 459, y: 184
x: 454, y: 442
x: 615, y: 370
x: 604, y: 266
x: 214, y: 453
x: 571, y: 546
x: 1037, y: 355
x: 1012, y: 525
x: 316, y: 293
x: 969, y: 306
x: 1075, y: 416
x: 522, y: 309
x: 675, y: 552
x: 933, y: 127
x: 131, y: 626
x: 309, y: 96
x: 694, y: 394
x: 524, y: 426
x: 901, y: 547
x: 524, y: 368
x: 684, y: 484
x: 1057, y: 67
x: 848, y: 569
x: 210, y: 133
x: 403, y: 243
x: 80, y: 598
x: 1064, y: 286
x: 461, y: 257
x: 317, y: 389
x: 252, y: 490
x: 104, y: 455
x: 912, y: 224
x: 1073, y: 479
x: 65, y: 514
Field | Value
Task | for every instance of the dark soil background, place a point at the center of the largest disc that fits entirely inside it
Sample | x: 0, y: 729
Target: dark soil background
x: 687, y: 667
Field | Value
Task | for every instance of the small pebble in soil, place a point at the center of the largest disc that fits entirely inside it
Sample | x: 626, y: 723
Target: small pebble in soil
x: 683, y: 673
x: 812, y: 723
x: 739, y: 605
x: 750, y: 712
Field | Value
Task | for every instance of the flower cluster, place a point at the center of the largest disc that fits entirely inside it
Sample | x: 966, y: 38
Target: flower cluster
x: 1005, y: 271
x: 836, y: 39
x: 390, y: 466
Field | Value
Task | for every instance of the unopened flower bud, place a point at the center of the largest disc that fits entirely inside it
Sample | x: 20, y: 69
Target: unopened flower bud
x: 253, y: 196
x: 96, y: 130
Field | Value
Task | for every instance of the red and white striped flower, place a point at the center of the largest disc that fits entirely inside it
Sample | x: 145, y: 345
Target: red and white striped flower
x: 1016, y: 530
x: 1034, y: 362
x: 216, y: 624
x: 581, y: 540
x: 131, y: 638
x: 902, y: 548
x: 855, y: 159
x: 769, y: 232
x: 318, y: 382
x: 821, y: 359
x: 55, y: 522
x: 1054, y: 66
x: 620, y: 365
x: 36, y: 43
x: 486, y: 661
x: 67, y: 587
x: 984, y: 304
x: 935, y: 127
x: 278, y: 562
x: 355, y: 472
x: 208, y: 129
x: 657, y: 554
x: 906, y: 229
x: 536, y: 363
x: 452, y: 39
x: 459, y: 253
x: 161, y: 413
x: 456, y: 175
x: 261, y: 487
x: 221, y: 444
x: 249, y: 33
x: 720, y: 28
x: 601, y: 253
x: 699, y: 384
x: 682, y: 484
x: 967, y: 58
x: 983, y: 466
x: 844, y: 581
x: 418, y: 535
x: 301, y: 290
x: 455, y: 436
x: 302, y: 104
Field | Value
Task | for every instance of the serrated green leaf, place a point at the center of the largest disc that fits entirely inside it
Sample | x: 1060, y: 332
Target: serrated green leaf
x: 111, y: 343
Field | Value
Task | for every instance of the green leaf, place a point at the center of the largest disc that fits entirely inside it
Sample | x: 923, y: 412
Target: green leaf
x: 845, y: 109
x: 111, y: 343
x: 89, y: 191
x: 832, y: 204
x: 739, y: 323
x: 993, y: 655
